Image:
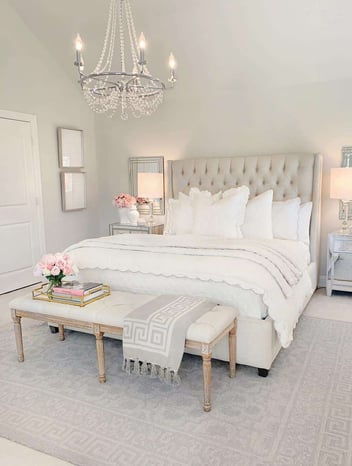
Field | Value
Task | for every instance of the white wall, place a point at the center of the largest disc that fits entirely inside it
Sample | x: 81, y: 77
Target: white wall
x: 32, y: 82
x: 254, y: 78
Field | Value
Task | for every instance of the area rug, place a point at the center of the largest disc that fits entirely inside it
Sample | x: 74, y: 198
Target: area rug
x: 300, y: 415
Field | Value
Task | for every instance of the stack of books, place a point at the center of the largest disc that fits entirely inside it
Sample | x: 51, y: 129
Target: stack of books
x: 76, y: 292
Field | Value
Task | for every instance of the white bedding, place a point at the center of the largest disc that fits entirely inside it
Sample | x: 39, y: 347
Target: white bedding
x: 269, y: 274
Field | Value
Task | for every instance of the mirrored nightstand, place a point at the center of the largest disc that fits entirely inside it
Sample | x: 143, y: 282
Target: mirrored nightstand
x: 339, y: 262
x: 153, y: 229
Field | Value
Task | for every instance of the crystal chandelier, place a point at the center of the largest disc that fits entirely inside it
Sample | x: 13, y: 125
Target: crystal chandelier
x: 136, y: 90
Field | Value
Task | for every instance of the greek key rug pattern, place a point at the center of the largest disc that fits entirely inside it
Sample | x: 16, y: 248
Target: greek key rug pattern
x: 301, y: 415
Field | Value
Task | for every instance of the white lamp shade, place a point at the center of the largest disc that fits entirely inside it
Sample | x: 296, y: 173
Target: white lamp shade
x: 341, y: 183
x: 150, y: 185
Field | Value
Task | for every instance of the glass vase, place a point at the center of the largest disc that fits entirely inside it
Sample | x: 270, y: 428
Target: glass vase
x: 53, y: 282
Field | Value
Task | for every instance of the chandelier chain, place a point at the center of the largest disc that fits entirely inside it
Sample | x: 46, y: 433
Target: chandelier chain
x: 132, y: 33
x: 122, y: 39
x: 99, y: 68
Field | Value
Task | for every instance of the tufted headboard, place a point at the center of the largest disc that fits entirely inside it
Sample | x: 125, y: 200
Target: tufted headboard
x: 289, y: 175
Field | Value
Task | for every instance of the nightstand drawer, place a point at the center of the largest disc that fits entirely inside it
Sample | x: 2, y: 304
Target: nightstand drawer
x: 123, y: 228
x: 342, y: 245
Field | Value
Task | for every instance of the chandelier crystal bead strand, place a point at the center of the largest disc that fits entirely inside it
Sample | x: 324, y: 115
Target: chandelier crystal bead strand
x: 135, y: 91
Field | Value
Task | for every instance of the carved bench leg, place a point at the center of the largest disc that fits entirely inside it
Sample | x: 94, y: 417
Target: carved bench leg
x: 61, y: 332
x: 206, y: 356
x: 18, y: 334
x: 232, y: 349
x: 100, y: 354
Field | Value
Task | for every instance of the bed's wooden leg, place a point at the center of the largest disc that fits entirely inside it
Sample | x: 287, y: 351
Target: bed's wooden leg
x: 206, y: 356
x: 232, y: 349
x: 18, y: 334
x: 61, y: 332
x: 263, y: 372
x: 100, y: 354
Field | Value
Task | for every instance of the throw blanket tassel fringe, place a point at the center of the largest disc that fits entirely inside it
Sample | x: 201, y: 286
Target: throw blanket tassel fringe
x: 165, y: 374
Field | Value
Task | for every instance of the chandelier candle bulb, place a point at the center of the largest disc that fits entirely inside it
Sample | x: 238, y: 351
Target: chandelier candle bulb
x: 78, y: 43
x: 172, y: 66
x: 142, y: 46
x: 172, y: 61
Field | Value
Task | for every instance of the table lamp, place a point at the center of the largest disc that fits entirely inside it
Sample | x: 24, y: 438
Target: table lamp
x: 341, y: 188
x: 150, y: 186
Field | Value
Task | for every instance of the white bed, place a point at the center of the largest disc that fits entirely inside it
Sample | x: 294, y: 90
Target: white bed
x: 144, y: 264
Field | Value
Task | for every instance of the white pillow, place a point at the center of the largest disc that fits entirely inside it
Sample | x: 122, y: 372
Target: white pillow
x: 285, y: 219
x: 196, y: 195
x: 180, y: 213
x: 304, y: 214
x: 258, y: 223
x: 179, y: 217
x: 223, y: 217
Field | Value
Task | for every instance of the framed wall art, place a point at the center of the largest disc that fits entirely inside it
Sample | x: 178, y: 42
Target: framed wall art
x: 73, y: 191
x: 70, y: 148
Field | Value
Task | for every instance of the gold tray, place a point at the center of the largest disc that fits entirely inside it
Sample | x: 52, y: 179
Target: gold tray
x: 41, y: 295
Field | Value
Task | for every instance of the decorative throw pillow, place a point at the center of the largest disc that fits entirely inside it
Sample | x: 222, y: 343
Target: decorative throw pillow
x: 179, y: 217
x: 304, y: 214
x: 258, y: 222
x: 223, y: 217
x: 285, y: 219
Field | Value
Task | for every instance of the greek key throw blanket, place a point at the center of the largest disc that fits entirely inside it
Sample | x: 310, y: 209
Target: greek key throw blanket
x: 154, y: 335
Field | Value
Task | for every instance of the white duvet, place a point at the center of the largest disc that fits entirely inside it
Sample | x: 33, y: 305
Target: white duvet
x: 272, y: 269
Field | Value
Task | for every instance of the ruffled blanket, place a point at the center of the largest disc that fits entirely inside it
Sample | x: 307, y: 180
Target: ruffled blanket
x: 270, y: 268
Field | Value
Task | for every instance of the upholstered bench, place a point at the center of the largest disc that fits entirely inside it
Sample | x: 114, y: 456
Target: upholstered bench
x: 107, y: 316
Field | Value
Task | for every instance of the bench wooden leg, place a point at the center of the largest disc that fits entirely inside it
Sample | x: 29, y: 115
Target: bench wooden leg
x: 61, y: 332
x: 206, y: 356
x: 100, y: 354
x: 232, y: 349
x: 18, y: 334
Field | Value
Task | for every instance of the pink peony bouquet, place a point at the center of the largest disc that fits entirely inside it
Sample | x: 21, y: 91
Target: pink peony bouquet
x: 123, y: 200
x: 54, y: 267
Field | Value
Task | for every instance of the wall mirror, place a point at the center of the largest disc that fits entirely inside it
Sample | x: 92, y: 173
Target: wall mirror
x: 70, y: 148
x: 346, y: 162
x: 73, y: 191
x: 147, y: 165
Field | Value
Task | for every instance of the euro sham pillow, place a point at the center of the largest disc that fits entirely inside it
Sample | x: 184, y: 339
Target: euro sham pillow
x: 223, y: 217
x: 285, y: 218
x: 179, y: 217
x: 180, y: 212
x: 258, y: 223
x: 304, y: 214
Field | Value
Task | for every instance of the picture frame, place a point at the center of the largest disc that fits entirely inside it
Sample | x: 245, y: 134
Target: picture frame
x: 73, y: 191
x: 70, y: 143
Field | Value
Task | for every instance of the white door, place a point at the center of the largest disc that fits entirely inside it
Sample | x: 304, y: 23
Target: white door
x: 21, y: 220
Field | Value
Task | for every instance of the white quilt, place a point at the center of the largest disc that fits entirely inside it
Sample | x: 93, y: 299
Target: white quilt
x: 269, y: 268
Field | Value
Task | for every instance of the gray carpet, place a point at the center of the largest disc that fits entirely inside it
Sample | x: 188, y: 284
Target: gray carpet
x: 300, y: 415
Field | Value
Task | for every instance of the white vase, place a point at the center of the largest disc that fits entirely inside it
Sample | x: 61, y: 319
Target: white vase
x: 123, y: 215
x: 133, y: 215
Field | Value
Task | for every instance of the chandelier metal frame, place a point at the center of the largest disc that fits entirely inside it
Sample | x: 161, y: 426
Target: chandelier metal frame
x: 135, y: 91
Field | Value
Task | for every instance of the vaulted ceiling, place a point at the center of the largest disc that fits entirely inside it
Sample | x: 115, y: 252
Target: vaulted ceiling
x: 224, y: 43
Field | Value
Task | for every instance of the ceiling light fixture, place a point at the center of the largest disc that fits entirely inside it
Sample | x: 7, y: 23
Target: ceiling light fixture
x: 135, y: 91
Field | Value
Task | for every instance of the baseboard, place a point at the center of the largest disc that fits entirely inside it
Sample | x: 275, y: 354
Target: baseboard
x: 322, y: 281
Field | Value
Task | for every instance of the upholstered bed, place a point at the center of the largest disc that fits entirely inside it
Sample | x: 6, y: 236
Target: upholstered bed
x: 258, y: 343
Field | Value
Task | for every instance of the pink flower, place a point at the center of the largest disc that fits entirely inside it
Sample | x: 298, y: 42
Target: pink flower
x: 55, y: 271
x: 67, y: 270
x: 142, y: 200
x: 52, y: 265
x: 123, y: 200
